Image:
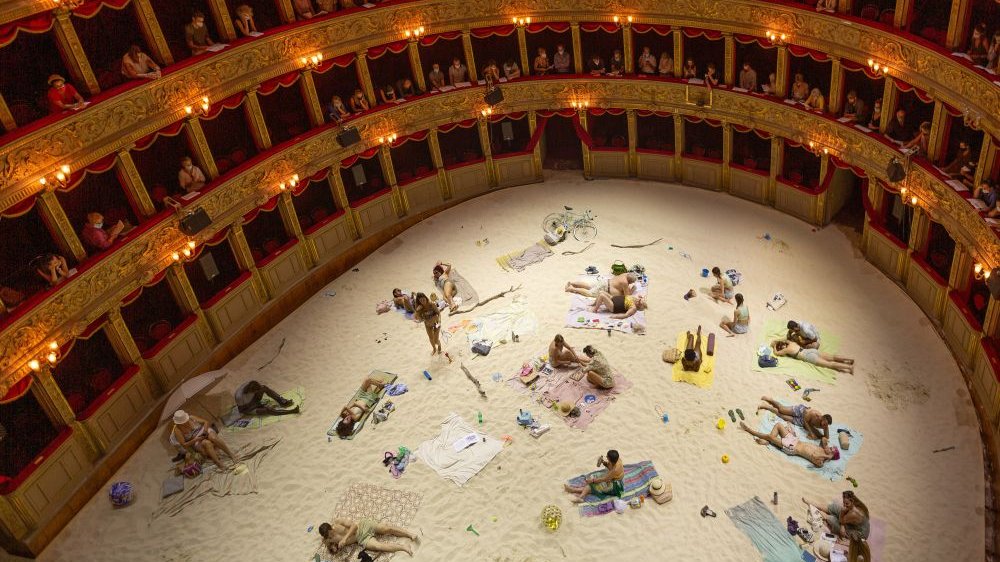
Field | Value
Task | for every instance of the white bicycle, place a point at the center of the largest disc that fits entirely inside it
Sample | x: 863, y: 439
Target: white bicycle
x: 580, y: 225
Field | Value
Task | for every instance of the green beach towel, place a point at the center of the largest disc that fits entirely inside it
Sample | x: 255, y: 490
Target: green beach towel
x: 381, y: 376
x: 787, y: 367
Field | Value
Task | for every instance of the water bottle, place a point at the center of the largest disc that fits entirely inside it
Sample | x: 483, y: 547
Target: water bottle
x: 479, y: 414
x: 775, y: 500
x: 427, y: 376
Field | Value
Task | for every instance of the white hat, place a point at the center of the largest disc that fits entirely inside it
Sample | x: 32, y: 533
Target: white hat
x: 822, y: 550
x: 181, y: 417
x: 661, y: 492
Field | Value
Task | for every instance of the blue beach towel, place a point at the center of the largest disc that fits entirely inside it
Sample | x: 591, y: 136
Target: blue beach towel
x: 766, y: 533
x: 831, y: 470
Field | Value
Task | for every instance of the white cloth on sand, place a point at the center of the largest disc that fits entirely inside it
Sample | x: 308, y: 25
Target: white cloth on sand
x: 580, y: 308
x: 458, y: 466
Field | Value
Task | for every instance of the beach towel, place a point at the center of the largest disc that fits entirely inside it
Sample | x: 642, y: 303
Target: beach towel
x: 831, y: 470
x: 458, y: 466
x: 463, y: 289
x: 787, y: 367
x: 636, y: 483
x: 580, y: 316
x: 559, y: 386
x: 520, y: 259
x: 705, y: 375
x: 767, y: 534
x: 244, y: 422
x: 497, y: 327
x: 368, y: 501
x: 386, y: 379
x: 220, y: 483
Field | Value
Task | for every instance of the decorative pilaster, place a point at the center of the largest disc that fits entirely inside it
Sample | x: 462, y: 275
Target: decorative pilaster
x: 133, y: 182
x: 936, y: 142
x: 364, y: 76
x: 413, y: 50
x: 522, y: 47
x: 340, y: 196
x: 919, y: 228
x: 121, y: 338
x: 574, y: 29
x: 777, y: 162
x: 51, y: 398
x: 988, y: 154
x: 536, y: 153
x: 835, y: 98
x: 314, y: 108
x: 444, y: 185
x: 470, y: 57
x: 628, y: 48
x: 889, y: 98
x: 55, y: 217
x: 959, y: 278
x: 991, y: 323
x: 202, y: 153
x: 6, y: 118
x: 727, y: 156
x: 285, y: 11
x: 73, y: 54
x: 291, y: 221
x: 152, y: 32
x: 223, y: 21
x: 875, y: 193
x: 484, y: 142
x: 588, y: 164
x: 385, y: 159
x: 678, y: 40
x: 633, y: 142
x: 241, y: 250
x: 678, y: 142
x: 958, y: 24
x: 822, y: 198
x: 182, y: 290
x: 781, y: 72
x: 729, y: 73
x: 902, y: 12
x: 255, y: 116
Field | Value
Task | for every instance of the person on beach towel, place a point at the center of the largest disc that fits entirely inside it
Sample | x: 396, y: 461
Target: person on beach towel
x: 722, y: 291
x: 346, y: 532
x: 370, y: 393
x: 250, y: 400
x: 402, y: 300
x: 598, y: 371
x: 621, y: 306
x: 442, y: 280
x: 562, y: 355
x: 610, y: 484
x: 850, y: 520
x: 816, y: 423
x: 803, y: 333
x: 691, y: 360
x: 619, y: 285
x: 783, y: 437
x: 787, y: 348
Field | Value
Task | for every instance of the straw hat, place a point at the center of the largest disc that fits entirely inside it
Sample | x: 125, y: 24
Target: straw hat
x: 181, y: 417
x: 54, y: 77
x: 564, y: 408
x: 662, y: 493
x: 822, y: 550
x: 672, y: 355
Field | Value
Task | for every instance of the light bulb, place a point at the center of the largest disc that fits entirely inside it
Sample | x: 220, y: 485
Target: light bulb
x: 65, y: 169
x: 175, y: 256
x: 60, y: 176
x: 186, y: 252
x: 616, y: 19
x: 53, y: 345
x: 913, y: 200
x: 52, y: 358
x: 986, y: 274
x: 978, y: 268
x: 191, y: 244
x: 187, y: 109
x: 42, y: 181
x: 34, y: 365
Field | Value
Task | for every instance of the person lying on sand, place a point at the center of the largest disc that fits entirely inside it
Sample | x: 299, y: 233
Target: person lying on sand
x: 250, y: 400
x: 723, y: 288
x: 691, y: 360
x: 598, y: 371
x: 610, y: 484
x: 621, y: 306
x: 562, y: 355
x: 816, y: 357
x: 783, y: 437
x: 426, y: 311
x: 402, y: 300
x: 816, y: 423
x: 803, y: 333
x: 619, y: 285
x: 346, y: 532
x: 370, y: 393
x: 442, y: 280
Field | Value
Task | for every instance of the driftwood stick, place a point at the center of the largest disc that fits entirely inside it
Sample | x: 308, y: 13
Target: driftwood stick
x: 501, y: 294
x: 474, y: 380
x: 637, y: 245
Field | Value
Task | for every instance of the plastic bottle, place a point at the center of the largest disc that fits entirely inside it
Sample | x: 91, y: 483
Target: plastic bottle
x: 428, y: 376
x: 479, y: 414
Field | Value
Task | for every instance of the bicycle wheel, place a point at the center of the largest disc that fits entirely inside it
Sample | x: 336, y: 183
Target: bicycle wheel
x: 584, y: 230
x: 552, y: 222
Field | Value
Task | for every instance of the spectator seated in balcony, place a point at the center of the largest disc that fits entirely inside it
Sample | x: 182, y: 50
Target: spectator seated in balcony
x: 800, y: 88
x: 244, y: 21
x: 511, y: 70
x: 816, y: 101
x: 986, y: 194
x: 95, y: 236
x: 457, y: 72
x: 596, y: 66
x: 647, y: 62
x: 876, y: 119
x: 562, y: 61
x: 826, y: 6
x: 748, y: 78
x: 435, y: 78
x: 195, y: 433
x: 898, y: 129
x: 962, y: 158
x: 337, y: 110
x: 689, y: 70
x: 491, y: 73
x: 358, y: 102
x: 542, y: 66
x: 196, y: 34
x: 979, y: 45
x: 190, y: 177
x: 771, y: 88
x: 137, y: 64
x: 304, y: 9
x: 407, y: 89
x: 250, y: 400
x: 993, y: 55
x: 919, y: 143
x: 854, y: 109
x: 63, y: 96
x: 51, y: 268
x: 387, y: 94
x: 666, y: 65
x: 711, y: 78
x: 617, y: 65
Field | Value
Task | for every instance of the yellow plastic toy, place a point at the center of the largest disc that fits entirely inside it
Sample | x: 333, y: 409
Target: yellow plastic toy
x: 721, y: 424
x: 725, y: 459
x: 552, y: 517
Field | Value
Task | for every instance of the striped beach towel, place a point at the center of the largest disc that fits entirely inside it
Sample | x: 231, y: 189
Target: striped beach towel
x: 636, y: 484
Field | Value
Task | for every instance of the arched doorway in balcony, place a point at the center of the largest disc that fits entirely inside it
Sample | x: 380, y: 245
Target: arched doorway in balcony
x: 561, y: 146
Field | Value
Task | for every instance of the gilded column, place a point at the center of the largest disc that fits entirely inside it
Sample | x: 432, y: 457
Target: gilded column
x: 364, y: 76
x: 958, y: 23
x: 959, y: 277
x: 223, y: 21
x: 199, y: 143
x: 903, y: 9
x: 730, y: 70
x: 152, y: 32
x: 10, y: 518
x: 444, y: 184
x: 836, y: 95
x: 72, y: 51
x: 313, y: 105
x: 678, y: 144
x: 399, y: 203
x: 181, y: 287
x: 536, y: 153
x: 633, y: 142
x: 875, y: 193
x: 889, y: 95
x: 727, y: 156
x: 678, y: 39
x: 919, y: 227
x: 413, y: 49
x: 285, y: 11
x: 991, y: 323
x: 522, y: 47
x: 628, y: 48
x: 255, y: 116
x: 936, y: 143
x: 484, y: 141
x: 777, y: 161
x: 588, y: 164
x: 781, y: 72
x: 340, y: 195
x: 470, y: 57
x: 241, y: 250
x: 291, y: 221
x: 988, y: 154
x: 51, y: 398
x: 821, y: 199
x: 133, y: 182
x: 6, y: 118
x: 121, y: 338
x: 56, y: 218
x: 574, y: 29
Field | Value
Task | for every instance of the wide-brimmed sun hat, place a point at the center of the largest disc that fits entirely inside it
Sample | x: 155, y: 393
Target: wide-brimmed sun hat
x: 822, y: 550
x: 661, y: 492
x: 564, y: 408
x: 181, y: 417
x: 54, y: 77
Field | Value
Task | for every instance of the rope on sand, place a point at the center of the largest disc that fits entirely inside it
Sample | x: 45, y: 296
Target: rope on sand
x: 571, y: 253
x: 637, y: 245
x: 482, y: 302
x: 474, y: 380
x: 276, y: 353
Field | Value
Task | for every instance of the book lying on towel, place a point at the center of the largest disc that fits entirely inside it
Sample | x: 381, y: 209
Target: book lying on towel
x: 465, y: 442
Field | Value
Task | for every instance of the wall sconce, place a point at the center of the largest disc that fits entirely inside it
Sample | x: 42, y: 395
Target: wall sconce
x: 982, y: 274
x: 486, y: 112
x: 186, y: 252
x: 580, y: 105
x: 877, y: 67
x: 817, y: 148
x: 312, y: 62
x: 776, y: 38
x: 199, y: 109
x: 51, y: 357
x: 415, y: 33
x: 292, y: 182
x: 626, y: 23
x: 57, y: 179
x: 388, y: 138
x: 521, y: 22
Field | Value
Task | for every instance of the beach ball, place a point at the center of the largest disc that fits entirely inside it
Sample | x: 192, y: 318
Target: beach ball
x: 552, y: 517
x: 121, y: 494
x: 725, y: 459
x: 721, y: 424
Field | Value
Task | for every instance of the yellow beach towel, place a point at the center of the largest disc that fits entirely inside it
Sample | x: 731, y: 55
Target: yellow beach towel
x: 704, y: 377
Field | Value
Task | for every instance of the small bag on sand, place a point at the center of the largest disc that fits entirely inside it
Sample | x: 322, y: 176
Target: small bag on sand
x: 618, y: 267
x: 672, y: 355
x: 383, y: 307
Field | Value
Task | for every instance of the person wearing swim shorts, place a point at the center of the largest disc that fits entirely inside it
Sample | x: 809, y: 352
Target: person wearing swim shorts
x: 816, y: 357
x: 598, y: 371
x: 371, y: 391
x: 783, y: 437
x: 346, y: 532
x: 803, y: 333
x: 722, y: 291
x: 621, y: 306
x: 741, y: 318
x: 816, y: 423
x: 623, y: 284
x: 562, y: 355
x: 607, y: 484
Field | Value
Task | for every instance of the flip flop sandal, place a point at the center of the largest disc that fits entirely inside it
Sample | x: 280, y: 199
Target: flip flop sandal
x: 739, y: 412
x: 732, y: 416
x: 706, y: 512
x: 389, y: 457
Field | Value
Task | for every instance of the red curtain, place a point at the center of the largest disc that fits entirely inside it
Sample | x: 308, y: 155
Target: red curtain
x: 342, y: 61
x: 855, y: 67
x: 98, y: 167
x: 130, y: 298
x: 268, y: 205
x: 501, y: 30
x: 285, y: 80
x: 17, y: 390
x: 597, y: 112
x: 696, y: 119
x: 232, y: 102
x: 318, y: 176
x: 662, y: 30
x: 90, y: 8
x: 798, y: 51
x: 418, y: 136
x: 429, y: 40
x: 350, y: 160
x: 395, y: 48
x: 607, y: 27
x: 219, y: 238
x: 648, y: 112
x: 558, y: 27
x: 516, y: 116
x: 568, y: 112
x: 580, y: 132
x: 904, y: 87
x: 693, y: 32
x: 748, y: 39
x: 845, y: 166
x: 148, y: 140
x: 38, y: 23
x: 758, y: 132
x: 19, y: 208
x: 452, y: 126
x: 539, y: 129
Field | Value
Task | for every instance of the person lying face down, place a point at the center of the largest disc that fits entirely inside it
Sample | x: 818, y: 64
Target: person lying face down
x: 345, y: 532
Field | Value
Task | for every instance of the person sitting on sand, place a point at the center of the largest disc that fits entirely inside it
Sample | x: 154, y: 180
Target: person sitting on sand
x: 803, y: 333
x: 741, y: 318
x: 562, y: 355
x: 622, y: 284
x: 816, y: 423
x: 722, y: 291
x: 192, y: 432
x: 346, y: 532
x: 850, y: 520
x: 424, y: 310
x: 598, y: 371
x: 249, y: 400
x: 402, y: 300
x: 371, y: 391
x: 816, y: 357
x: 442, y: 280
x: 783, y: 437
x: 610, y: 484
x: 691, y: 359
x: 621, y: 306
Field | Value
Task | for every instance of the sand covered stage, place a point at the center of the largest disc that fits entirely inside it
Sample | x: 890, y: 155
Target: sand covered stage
x: 907, y: 397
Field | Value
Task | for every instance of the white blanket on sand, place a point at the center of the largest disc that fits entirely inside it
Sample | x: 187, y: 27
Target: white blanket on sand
x: 580, y: 309
x: 439, y: 452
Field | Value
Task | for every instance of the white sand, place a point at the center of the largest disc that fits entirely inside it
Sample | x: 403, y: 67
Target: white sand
x: 933, y: 503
